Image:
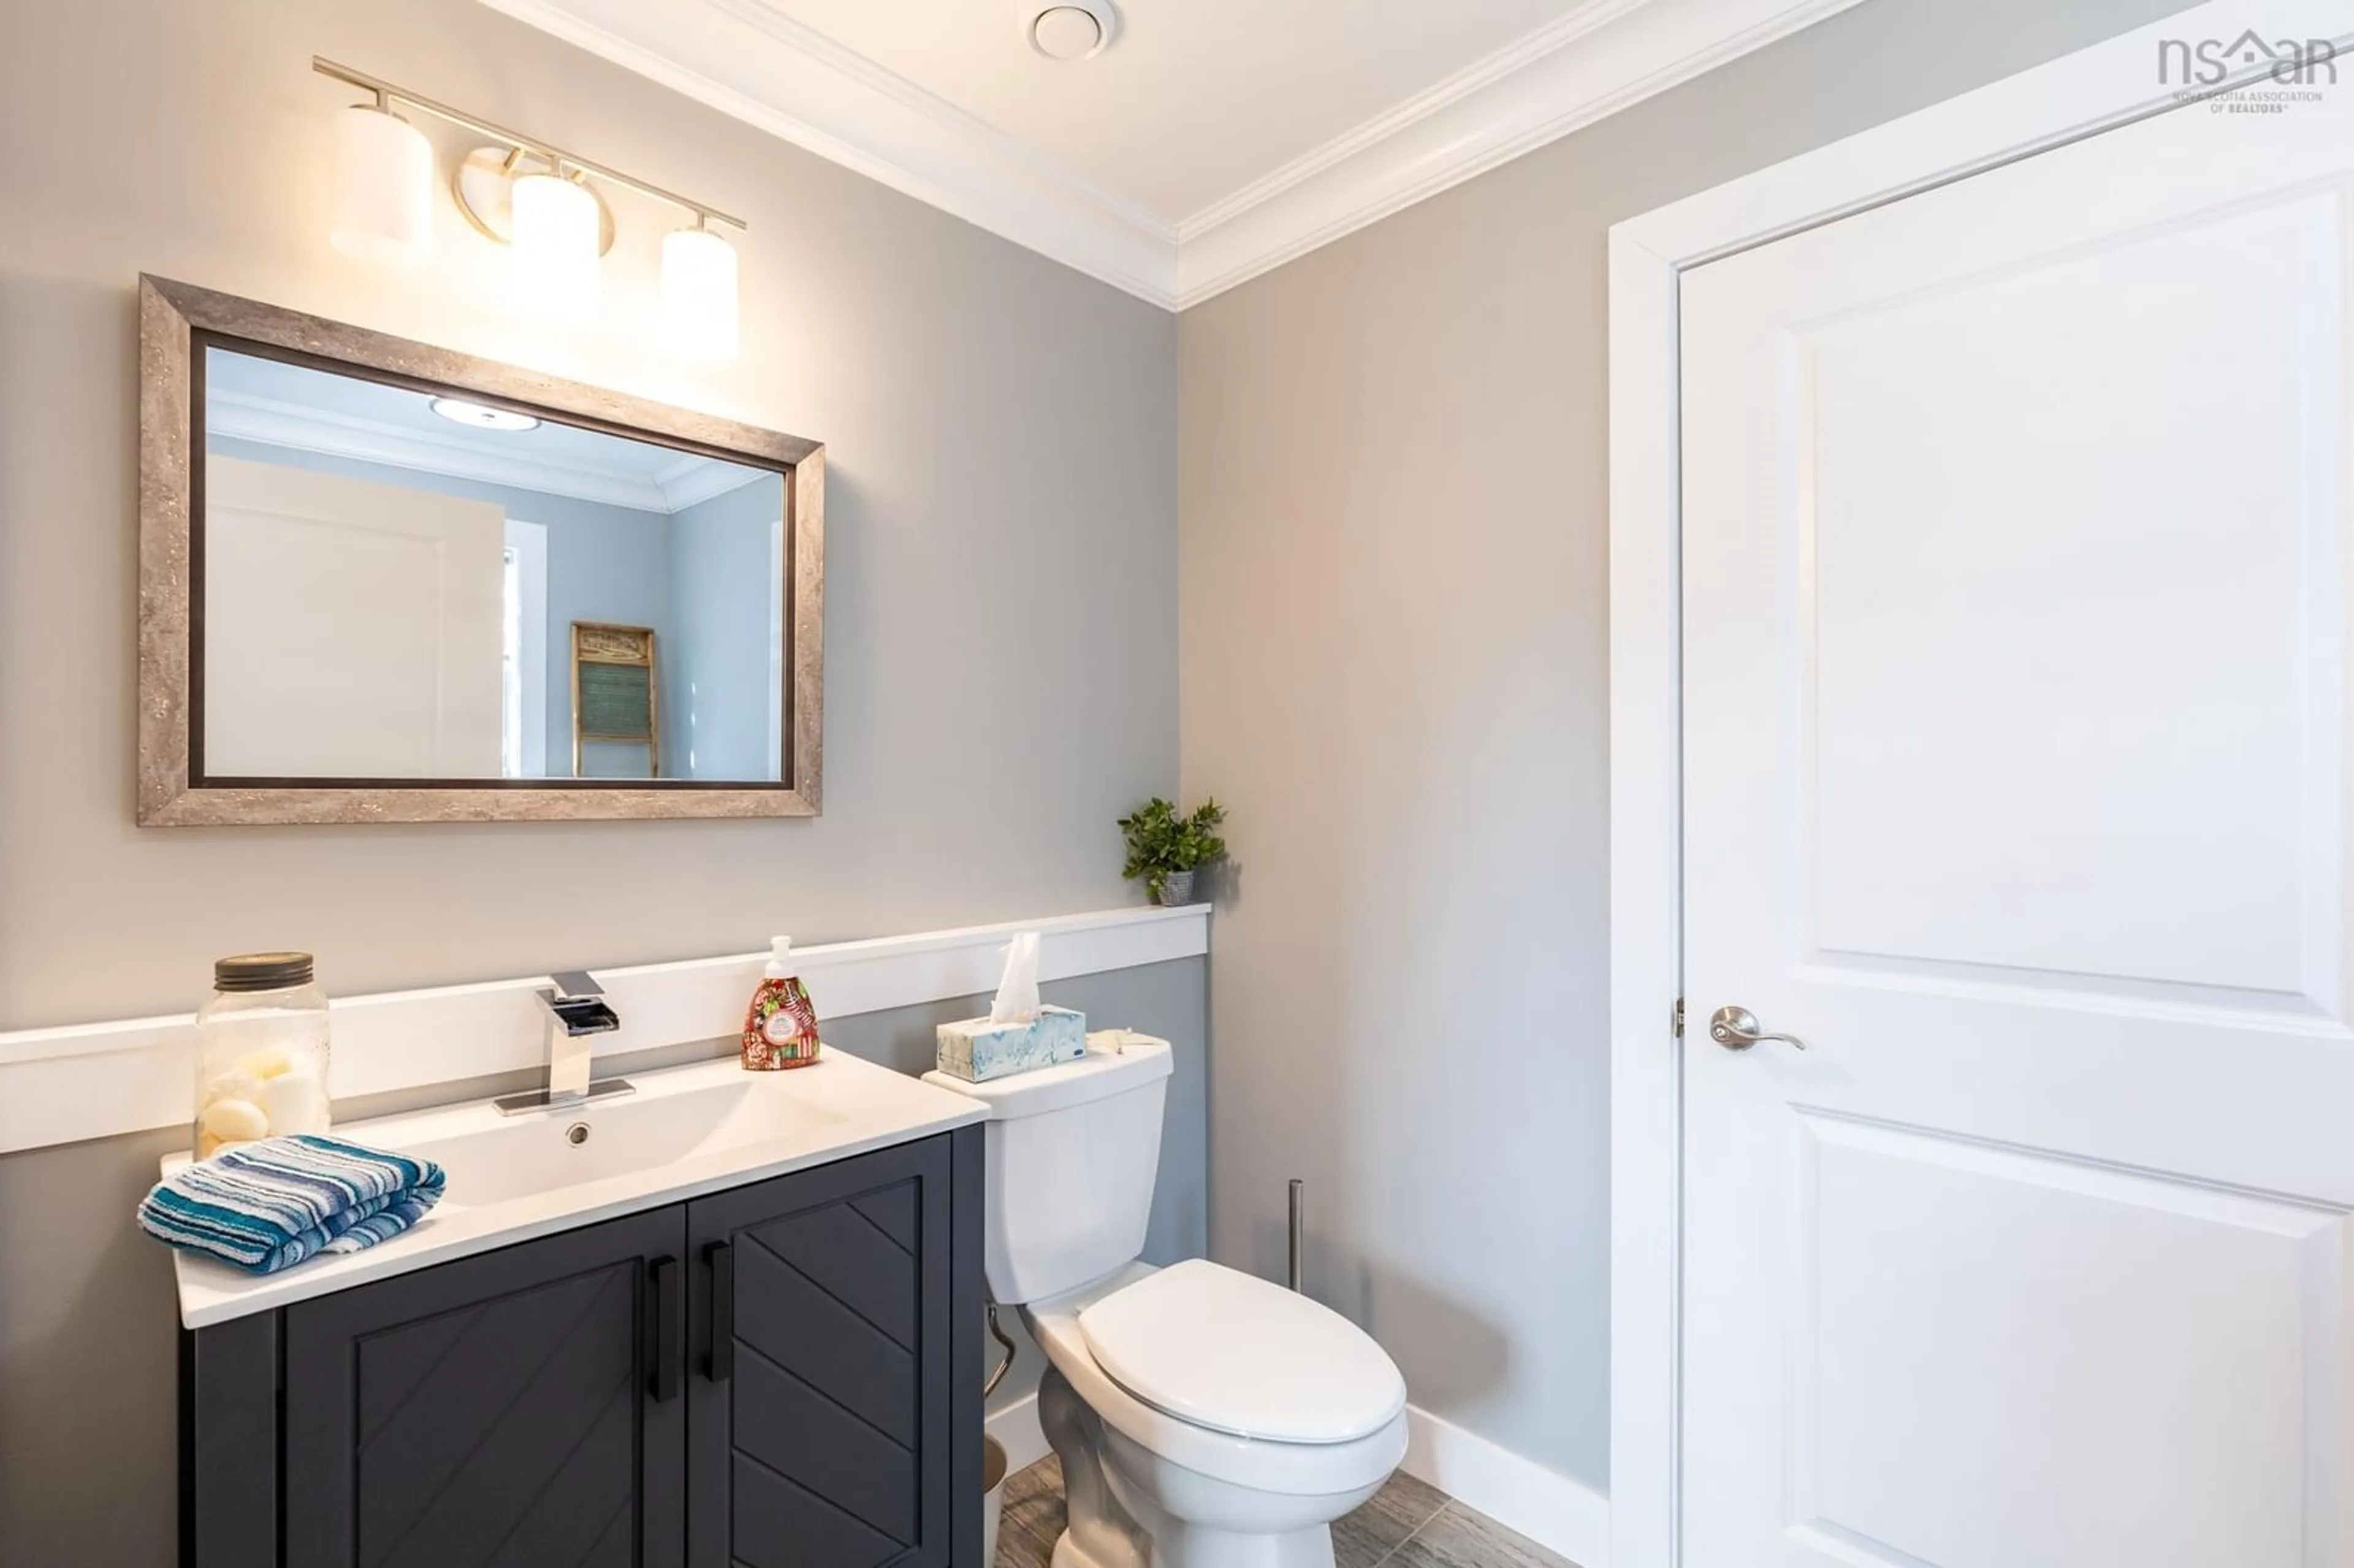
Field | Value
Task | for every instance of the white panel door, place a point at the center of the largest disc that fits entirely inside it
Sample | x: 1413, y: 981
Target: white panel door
x: 353, y: 629
x: 2015, y: 591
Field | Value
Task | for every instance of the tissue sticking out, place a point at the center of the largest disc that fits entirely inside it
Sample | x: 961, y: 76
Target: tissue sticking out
x: 1017, y: 992
x: 1020, y: 1033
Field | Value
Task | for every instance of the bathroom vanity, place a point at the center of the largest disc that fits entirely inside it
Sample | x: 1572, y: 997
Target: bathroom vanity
x: 729, y: 1318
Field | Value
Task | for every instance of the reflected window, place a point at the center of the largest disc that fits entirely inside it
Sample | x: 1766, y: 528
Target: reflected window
x: 511, y: 670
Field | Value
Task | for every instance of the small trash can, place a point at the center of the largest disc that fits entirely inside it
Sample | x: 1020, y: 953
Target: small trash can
x: 992, y: 1496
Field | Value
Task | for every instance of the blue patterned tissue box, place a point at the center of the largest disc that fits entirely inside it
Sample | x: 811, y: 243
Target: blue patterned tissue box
x: 978, y: 1050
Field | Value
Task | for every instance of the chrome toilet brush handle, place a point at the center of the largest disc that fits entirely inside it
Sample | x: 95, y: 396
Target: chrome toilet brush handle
x: 1298, y: 1230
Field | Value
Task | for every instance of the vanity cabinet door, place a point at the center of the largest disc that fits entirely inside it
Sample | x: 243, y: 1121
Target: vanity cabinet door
x: 523, y: 1407
x: 821, y: 1397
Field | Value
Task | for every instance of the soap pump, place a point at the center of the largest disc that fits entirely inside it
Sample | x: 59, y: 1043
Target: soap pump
x: 780, y: 1030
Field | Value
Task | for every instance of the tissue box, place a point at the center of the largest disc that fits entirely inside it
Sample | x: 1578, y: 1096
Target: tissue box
x: 978, y: 1050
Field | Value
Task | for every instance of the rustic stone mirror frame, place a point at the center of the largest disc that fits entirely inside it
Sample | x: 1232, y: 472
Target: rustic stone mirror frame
x: 177, y: 321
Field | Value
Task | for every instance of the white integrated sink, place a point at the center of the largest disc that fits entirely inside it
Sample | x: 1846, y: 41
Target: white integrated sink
x: 685, y: 1132
x: 542, y: 1151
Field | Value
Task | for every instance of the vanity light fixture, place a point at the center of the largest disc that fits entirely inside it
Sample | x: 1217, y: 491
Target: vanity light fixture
x: 529, y: 194
x: 556, y: 223
x: 482, y: 416
x: 384, y: 185
x: 698, y: 293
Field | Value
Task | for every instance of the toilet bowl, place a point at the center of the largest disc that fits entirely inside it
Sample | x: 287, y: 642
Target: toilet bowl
x: 1147, y: 1484
x: 1204, y: 1418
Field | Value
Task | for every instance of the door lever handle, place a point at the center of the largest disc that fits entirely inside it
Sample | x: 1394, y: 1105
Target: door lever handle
x: 1735, y: 1028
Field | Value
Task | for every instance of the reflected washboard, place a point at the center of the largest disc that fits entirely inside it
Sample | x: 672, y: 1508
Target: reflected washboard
x: 613, y: 696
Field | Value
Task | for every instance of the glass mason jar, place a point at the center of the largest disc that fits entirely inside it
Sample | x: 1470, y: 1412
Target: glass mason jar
x: 261, y: 1052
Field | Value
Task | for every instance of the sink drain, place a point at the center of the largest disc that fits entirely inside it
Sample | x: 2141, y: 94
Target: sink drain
x: 576, y: 1134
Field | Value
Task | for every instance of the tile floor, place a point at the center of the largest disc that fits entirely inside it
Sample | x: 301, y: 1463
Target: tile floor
x: 1407, y: 1525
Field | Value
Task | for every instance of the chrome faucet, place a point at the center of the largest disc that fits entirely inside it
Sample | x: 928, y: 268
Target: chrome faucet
x: 576, y: 1008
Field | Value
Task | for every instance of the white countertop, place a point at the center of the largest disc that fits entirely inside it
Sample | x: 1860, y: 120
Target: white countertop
x: 686, y: 1132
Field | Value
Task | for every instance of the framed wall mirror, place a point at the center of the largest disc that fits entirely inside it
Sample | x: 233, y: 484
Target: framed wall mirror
x: 381, y: 581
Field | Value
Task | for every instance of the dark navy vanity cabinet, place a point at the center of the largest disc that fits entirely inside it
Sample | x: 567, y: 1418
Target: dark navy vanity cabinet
x: 782, y: 1373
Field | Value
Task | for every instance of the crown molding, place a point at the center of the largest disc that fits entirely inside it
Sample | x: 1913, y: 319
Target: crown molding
x: 747, y: 59
x: 270, y: 422
x: 1604, y: 57
x: 691, y: 480
x: 750, y: 60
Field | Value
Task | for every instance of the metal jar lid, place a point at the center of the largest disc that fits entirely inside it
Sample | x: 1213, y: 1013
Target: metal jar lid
x: 262, y: 971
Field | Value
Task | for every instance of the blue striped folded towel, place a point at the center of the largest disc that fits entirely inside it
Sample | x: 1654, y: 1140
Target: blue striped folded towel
x: 268, y: 1204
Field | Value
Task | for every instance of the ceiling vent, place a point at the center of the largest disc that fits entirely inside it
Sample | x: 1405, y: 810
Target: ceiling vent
x: 1071, y: 32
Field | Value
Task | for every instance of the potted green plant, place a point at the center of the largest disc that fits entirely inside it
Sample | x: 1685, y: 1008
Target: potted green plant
x: 1165, y: 847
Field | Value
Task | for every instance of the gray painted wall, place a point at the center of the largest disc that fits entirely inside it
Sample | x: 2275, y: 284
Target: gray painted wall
x: 719, y: 675
x: 1394, y: 635
x: 1001, y: 431
x: 88, y: 1436
x: 604, y: 563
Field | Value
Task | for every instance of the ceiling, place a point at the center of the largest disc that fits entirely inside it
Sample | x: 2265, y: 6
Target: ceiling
x: 1213, y: 139
x: 1195, y: 99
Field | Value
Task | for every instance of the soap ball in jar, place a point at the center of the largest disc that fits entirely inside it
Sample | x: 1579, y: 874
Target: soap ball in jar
x: 261, y: 1052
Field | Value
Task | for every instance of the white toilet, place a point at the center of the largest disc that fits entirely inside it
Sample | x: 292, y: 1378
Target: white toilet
x: 1204, y: 1418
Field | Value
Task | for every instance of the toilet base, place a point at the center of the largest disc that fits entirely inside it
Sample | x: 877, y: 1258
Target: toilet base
x: 1130, y: 1509
x: 1186, y: 1546
x: 1069, y: 1553
x: 1182, y: 1542
x: 1100, y: 1534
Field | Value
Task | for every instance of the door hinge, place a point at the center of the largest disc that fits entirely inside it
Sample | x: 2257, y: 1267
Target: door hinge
x: 1679, y: 1018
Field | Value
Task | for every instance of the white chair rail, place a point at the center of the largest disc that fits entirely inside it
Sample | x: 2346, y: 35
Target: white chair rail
x: 95, y: 1080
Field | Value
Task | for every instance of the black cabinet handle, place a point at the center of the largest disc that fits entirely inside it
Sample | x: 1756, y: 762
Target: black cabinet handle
x: 722, y: 1259
x: 670, y: 1317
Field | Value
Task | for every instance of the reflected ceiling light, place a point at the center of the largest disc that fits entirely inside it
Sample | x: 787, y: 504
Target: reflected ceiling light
x: 384, y: 185
x: 482, y: 416
x: 698, y: 294
x: 537, y: 199
x: 556, y: 232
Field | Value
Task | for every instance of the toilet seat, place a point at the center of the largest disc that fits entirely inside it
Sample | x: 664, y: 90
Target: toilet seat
x: 1301, y: 1469
x: 1230, y: 1352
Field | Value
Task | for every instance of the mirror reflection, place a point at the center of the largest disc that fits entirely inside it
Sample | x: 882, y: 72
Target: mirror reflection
x: 393, y: 585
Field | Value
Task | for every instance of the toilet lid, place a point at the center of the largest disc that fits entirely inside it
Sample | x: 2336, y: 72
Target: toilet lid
x: 1236, y: 1354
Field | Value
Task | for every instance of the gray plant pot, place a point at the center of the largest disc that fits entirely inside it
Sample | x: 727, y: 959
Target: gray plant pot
x: 1177, y: 887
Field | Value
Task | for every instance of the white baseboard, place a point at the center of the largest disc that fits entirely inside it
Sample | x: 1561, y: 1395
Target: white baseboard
x: 1519, y: 1494
x: 1553, y: 1511
x: 1016, y: 1427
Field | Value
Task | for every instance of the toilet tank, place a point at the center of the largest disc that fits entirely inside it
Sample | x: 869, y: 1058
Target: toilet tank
x: 1073, y: 1154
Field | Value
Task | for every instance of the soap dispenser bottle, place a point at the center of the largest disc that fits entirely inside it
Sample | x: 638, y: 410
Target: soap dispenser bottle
x: 780, y: 1030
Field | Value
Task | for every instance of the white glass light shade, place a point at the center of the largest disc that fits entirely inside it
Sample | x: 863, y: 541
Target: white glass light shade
x: 384, y: 187
x: 556, y: 238
x: 698, y: 294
